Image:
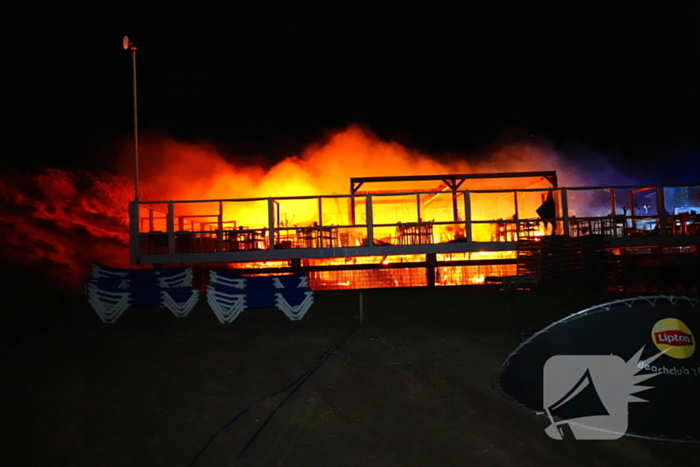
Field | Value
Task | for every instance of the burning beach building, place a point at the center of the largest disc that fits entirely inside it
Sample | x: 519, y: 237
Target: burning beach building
x: 515, y: 229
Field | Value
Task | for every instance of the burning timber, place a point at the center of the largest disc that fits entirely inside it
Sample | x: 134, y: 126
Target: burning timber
x: 514, y: 229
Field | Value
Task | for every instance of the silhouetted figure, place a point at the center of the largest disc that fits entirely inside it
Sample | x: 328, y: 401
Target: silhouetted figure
x: 547, y: 212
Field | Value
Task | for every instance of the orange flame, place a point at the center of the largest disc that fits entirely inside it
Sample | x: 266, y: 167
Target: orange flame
x: 68, y: 219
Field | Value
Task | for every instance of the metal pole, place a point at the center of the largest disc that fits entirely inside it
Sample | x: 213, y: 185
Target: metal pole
x: 370, y: 221
x: 565, y: 211
x: 136, y: 125
x: 468, y: 216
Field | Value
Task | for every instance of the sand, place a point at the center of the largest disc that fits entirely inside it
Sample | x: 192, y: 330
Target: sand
x: 411, y: 386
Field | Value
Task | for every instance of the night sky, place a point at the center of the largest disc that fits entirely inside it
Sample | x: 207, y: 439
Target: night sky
x: 592, y: 77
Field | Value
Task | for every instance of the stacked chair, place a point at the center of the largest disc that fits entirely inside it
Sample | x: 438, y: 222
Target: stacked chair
x: 112, y: 291
x: 228, y: 295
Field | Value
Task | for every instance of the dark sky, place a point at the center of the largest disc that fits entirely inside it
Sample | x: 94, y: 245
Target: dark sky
x: 620, y: 81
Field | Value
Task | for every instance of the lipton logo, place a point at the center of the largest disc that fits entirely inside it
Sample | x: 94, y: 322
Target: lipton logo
x: 674, y: 338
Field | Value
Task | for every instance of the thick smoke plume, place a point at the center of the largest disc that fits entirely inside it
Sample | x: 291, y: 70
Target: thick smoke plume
x: 64, y: 220
x: 61, y: 221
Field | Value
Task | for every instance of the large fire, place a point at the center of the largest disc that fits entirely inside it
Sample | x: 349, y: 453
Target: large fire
x: 68, y: 219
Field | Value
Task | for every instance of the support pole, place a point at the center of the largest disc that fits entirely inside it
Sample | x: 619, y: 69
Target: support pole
x: 418, y: 207
x: 370, y: 221
x: 468, y: 217
x: 136, y: 126
x: 431, y: 260
x: 220, y: 233
x: 271, y: 222
x: 661, y: 211
x: 134, y: 234
x: 171, y: 228
x: 565, y: 209
x: 516, y: 217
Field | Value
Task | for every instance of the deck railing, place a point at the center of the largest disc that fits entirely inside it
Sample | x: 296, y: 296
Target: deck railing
x: 366, y: 221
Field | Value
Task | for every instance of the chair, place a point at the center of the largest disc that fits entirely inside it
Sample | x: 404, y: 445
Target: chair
x: 529, y: 228
x: 511, y: 232
x: 499, y: 231
x: 579, y: 227
x: 112, y: 291
x: 406, y: 234
x: 306, y: 238
x: 426, y: 233
x: 229, y: 295
x: 329, y: 237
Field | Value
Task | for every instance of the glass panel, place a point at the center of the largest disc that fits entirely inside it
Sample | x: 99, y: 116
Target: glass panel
x: 298, y: 212
x: 335, y: 211
x: 491, y: 206
x: 246, y: 214
x: 589, y: 203
x: 394, y: 209
x: 685, y: 199
x: 153, y: 217
x: 442, y: 207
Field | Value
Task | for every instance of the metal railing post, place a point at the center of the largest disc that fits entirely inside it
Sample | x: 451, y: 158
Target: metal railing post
x: 468, y: 216
x: 517, y: 217
x: 134, y: 233
x: 220, y: 233
x: 171, y: 228
x: 565, y: 211
x: 271, y: 222
x: 370, y: 221
x: 661, y: 211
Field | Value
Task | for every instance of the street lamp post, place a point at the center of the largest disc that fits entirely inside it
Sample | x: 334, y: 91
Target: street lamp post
x: 129, y: 46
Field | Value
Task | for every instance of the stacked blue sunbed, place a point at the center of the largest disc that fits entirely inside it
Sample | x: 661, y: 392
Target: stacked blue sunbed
x: 111, y: 291
x: 228, y: 295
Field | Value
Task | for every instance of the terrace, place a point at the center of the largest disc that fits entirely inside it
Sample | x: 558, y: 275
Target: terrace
x: 465, y: 235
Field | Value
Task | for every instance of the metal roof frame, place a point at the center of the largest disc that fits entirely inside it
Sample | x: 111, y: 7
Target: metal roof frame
x: 453, y: 181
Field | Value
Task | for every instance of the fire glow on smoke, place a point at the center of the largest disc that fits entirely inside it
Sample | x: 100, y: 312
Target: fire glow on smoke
x: 65, y: 220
